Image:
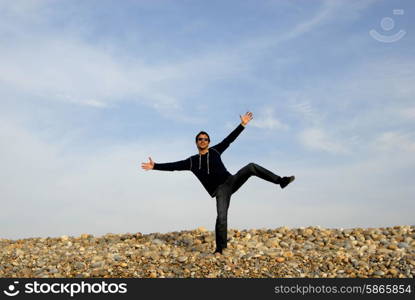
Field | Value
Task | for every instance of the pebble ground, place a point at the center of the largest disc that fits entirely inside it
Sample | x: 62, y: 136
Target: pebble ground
x: 258, y: 253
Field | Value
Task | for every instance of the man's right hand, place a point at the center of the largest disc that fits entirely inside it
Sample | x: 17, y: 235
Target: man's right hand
x: 149, y: 165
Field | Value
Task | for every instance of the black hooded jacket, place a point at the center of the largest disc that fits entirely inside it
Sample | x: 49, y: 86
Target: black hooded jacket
x: 208, y: 168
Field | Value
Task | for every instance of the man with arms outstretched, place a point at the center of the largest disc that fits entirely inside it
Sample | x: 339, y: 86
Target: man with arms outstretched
x: 210, y: 170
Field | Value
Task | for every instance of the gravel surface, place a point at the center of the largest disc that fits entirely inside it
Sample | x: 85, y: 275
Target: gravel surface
x: 280, y: 252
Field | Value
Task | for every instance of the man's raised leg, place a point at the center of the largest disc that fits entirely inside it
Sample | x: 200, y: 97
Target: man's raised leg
x: 253, y: 169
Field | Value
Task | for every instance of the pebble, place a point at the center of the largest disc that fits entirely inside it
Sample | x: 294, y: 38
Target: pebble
x: 79, y: 265
x: 97, y: 264
x: 284, y: 244
x: 116, y: 257
x: 201, y: 229
x: 64, y: 238
x: 403, y: 245
x: 280, y: 252
x: 158, y: 242
x: 273, y: 253
x: 272, y: 243
x: 392, y: 246
x: 182, y: 258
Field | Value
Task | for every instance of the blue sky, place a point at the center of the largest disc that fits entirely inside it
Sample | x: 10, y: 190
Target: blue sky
x: 90, y: 89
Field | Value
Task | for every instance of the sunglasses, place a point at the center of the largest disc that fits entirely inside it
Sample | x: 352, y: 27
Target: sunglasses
x: 203, y: 139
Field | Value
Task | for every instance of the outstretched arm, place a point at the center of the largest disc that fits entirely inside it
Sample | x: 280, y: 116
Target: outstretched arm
x: 180, y: 165
x: 222, y: 146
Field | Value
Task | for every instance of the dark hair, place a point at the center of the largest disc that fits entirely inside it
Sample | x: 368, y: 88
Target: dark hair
x: 202, y: 132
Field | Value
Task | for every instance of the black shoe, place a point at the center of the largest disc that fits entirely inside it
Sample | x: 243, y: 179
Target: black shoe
x: 218, y: 251
x: 286, y: 181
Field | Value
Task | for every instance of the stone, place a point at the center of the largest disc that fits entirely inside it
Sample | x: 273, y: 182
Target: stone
x: 379, y: 273
x: 182, y: 259
x: 273, y: 253
x: 288, y: 254
x: 308, y: 231
x: 202, y: 229
x: 284, y: 244
x: 403, y: 245
x: 117, y: 257
x: 272, y: 243
x: 98, y: 264
x: 157, y: 242
x: 209, y: 238
x: 64, y: 238
x: 392, y: 246
x: 79, y: 265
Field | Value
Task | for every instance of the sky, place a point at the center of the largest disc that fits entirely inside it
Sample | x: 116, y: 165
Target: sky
x: 91, y: 89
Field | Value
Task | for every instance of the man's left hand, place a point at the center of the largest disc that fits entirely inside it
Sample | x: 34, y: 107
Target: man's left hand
x: 246, y: 118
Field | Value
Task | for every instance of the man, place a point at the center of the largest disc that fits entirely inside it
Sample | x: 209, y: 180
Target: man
x: 219, y: 183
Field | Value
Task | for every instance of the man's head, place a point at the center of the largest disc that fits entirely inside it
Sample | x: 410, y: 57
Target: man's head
x: 202, y: 140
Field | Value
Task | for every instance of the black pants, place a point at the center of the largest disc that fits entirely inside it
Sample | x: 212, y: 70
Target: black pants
x: 224, y: 192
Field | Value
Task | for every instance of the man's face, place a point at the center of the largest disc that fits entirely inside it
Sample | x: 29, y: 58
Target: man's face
x: 202, y: 141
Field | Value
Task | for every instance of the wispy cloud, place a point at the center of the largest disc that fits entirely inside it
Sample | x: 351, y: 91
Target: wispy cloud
x: 304, y: 108
x: 408, y: 112
x: 324, y: 14
x: 266, y: 119
x: 395, y: 142
x: 318, y: 139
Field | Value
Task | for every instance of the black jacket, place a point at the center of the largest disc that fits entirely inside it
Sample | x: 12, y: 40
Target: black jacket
x: 208, y: 168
